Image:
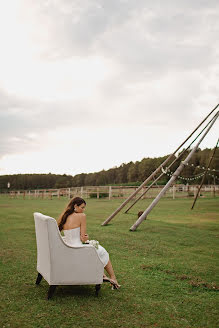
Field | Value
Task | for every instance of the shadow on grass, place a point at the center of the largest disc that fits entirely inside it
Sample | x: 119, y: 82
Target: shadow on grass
x: 107, y: 225
x: 64, y: 291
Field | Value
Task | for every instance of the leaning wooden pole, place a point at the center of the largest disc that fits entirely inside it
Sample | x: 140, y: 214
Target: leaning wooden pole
x: 144, y: 193
x: 172, y: 179
x: 151, y: 185
x: 148, y: 188
x: 203, y: 178
x: 154, y: 173
x: 160, y: 176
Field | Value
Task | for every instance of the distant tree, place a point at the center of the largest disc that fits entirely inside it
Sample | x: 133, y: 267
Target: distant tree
x: 132, y: 173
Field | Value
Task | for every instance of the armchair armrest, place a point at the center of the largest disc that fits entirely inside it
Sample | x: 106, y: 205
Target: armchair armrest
x: 79, y: 265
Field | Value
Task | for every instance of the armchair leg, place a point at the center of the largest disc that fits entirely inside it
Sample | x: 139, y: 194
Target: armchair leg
x: 97, y: 287
x: 39, y: 278
x: 51, y: 291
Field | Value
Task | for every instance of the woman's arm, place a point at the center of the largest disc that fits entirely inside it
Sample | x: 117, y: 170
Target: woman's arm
x: 84, y: 235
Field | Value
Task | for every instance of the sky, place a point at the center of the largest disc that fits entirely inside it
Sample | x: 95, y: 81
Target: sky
x: 87, y: 85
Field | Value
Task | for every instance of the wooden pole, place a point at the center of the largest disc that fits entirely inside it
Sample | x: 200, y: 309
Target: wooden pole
x: 172, y: 179
x: 203, y: 178
x: 158, y: 178
x: 149, y: 187
x: 154, y: 173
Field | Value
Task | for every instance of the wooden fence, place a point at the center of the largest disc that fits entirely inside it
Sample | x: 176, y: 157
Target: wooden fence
x: 115, y: 192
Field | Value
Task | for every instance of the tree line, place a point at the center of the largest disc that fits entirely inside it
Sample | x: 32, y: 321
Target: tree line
x: 132, y: 173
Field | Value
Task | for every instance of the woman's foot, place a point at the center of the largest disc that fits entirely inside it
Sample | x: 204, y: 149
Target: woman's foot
x: 113, y: 282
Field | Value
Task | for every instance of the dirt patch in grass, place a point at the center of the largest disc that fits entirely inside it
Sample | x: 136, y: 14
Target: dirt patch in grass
x: 203, y: 284
x: 10, y: 255
x: 193, y: 281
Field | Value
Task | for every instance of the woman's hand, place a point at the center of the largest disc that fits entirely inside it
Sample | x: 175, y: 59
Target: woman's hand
x: 84, y: 237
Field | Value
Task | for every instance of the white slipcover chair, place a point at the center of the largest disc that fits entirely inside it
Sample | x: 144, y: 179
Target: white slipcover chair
x: 60, y: 264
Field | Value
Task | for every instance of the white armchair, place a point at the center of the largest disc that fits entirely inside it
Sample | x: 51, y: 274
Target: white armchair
x: 60, y: 264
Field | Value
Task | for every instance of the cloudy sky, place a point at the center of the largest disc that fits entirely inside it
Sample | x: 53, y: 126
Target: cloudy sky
x: 86, y: 85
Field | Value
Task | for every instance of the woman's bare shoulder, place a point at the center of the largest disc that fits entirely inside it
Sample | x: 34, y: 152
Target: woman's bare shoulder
x: 78, y: 216
x: 74, y: 220
x: 82, y: 216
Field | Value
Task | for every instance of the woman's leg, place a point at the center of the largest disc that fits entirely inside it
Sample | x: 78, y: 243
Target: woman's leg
x: 110, y: 271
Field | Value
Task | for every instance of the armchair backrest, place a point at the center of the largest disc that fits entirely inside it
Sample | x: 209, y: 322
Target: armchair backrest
x: 43, y: 244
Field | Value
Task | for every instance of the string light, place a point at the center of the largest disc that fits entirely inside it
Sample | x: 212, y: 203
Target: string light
x: 195, y: 177
x: 201, y: 167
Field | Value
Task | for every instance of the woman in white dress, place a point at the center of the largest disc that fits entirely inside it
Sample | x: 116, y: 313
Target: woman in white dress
x: 73, y: 223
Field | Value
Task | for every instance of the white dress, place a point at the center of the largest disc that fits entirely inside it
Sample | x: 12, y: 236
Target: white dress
x: 72, y: 238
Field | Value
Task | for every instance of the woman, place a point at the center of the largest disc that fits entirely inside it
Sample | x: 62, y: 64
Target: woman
x: 73, y: 224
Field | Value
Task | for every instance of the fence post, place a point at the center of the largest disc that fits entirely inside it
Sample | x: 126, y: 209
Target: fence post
x: 174, y: 190
x: 188, y: 190
x: 212, y: 191
x: 142, y: 193
x: 110, y: 192
x: 81, y: 192
x: 195, y: 190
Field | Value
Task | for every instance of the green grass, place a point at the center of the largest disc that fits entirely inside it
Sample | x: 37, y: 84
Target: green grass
x: 167, y: 268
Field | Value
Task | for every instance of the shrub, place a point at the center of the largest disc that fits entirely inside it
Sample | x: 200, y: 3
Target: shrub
x: 101, y: 195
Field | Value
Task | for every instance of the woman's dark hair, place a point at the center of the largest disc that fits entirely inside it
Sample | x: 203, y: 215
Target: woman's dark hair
x: 69, y: 210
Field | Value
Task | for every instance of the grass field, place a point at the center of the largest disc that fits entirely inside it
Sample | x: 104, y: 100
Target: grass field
x: 167, y: 268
